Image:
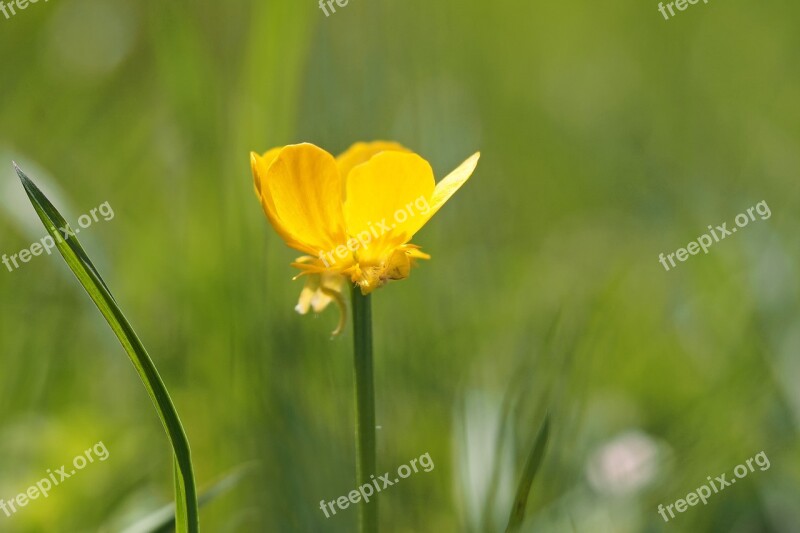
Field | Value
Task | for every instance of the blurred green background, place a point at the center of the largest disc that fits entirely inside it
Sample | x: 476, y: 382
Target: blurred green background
x: 608, y: 135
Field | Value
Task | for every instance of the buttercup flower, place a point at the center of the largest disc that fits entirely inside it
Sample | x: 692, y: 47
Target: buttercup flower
x: 354, y: 215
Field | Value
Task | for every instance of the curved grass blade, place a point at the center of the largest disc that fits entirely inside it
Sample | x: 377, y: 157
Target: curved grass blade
x: 532, y: 465
x: 185, y: 492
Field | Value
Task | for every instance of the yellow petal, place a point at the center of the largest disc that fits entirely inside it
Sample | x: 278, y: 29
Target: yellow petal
x: 304, y: 188
x: 362, y: 152
x: 445, y: 189
x: 452, y: 182
x: 383, y: 196
x: 259, y: 165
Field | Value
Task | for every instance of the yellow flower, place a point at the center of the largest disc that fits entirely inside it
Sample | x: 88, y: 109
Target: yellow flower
x: 354, y: 215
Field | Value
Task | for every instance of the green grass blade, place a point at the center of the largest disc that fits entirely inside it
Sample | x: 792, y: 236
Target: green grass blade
x: 532, y: 465
x: 84, y: 270
x: 181, y: 507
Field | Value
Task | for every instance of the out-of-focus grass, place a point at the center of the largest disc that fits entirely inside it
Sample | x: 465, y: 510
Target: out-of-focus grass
x: 608, y: 136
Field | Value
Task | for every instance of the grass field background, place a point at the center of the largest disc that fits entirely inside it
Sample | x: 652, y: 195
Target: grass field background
x: 608, y: 136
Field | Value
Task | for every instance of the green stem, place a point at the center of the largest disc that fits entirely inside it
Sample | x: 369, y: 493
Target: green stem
x: 365, y: 406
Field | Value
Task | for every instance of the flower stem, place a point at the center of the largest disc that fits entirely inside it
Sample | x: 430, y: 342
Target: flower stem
x: 365, y: 406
